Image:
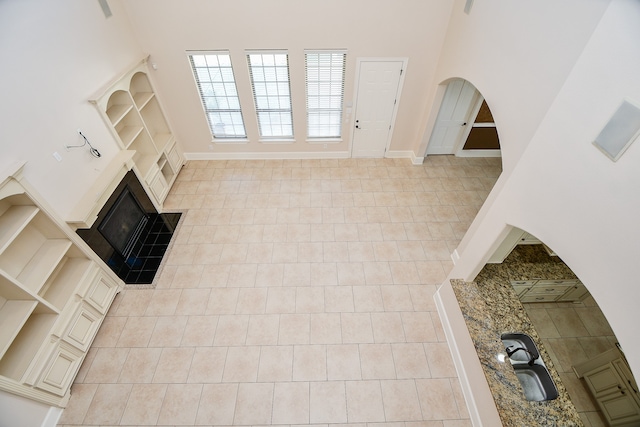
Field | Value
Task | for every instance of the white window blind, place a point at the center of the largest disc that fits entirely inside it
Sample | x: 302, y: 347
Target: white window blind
x: 219, y: 94
x: 271, y: 92
x: 325, y: 93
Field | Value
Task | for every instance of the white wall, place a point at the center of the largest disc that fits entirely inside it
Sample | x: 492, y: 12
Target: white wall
x: 366, y: 28
x: 518, y: 56
x: 54, y: 56
x: 26, y: 413
x: 564, y: 191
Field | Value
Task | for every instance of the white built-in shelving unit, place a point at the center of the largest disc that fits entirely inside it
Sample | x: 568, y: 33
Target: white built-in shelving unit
x: 54, y: 294
x: 131, y: 109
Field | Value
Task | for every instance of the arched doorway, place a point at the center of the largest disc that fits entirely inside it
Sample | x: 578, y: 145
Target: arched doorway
x: 571, y: 326
x: 464, y: 125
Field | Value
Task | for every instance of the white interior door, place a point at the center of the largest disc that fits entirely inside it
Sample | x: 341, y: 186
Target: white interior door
x: 459, y: 99
x: 378, y: 83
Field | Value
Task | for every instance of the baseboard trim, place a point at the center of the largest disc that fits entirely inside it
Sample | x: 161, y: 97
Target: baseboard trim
x: 479, y: 153
x: 405, y: 154
x: 416, y: 160
x: 455, y: 256
x: 268, y: 155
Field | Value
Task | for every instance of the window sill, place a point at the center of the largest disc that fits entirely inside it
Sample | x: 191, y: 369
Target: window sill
x: 324, y: 141
x: 277, y: 141
x: 230, y: 141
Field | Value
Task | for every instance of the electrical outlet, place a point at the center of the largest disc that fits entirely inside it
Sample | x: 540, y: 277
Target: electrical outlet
x: 210, y: 147
x: 325, y: 146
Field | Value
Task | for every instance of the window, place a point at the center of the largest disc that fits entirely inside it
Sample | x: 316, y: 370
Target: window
x: 217, y: 86
x: 271, y: 93
x: 325, y: 90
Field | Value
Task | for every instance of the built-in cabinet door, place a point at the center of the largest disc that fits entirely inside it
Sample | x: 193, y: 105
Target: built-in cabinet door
x: 83, y: 327
x: 620, y: 409
x: 174, y: 157
x: 603, y: 380
x: 61, y: 369
x: 101, y: 293
x: 159, y: 186
x: 614, y: 394
x: 577, y: 293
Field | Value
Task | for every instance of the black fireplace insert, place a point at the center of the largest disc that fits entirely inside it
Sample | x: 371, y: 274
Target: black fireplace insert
x: 129, y: 235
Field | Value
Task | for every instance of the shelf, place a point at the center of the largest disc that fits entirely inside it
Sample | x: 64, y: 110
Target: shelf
x: 22, y: 351
x: 13, y: 315
x: 161, y: 140
x: 13, y: 221
x: 43, y: 263
x: 142, y: 99
x: 117, y: 112
x: 128, y: 134
x: 162, y: 161
x: 65, y: 280
x: 144, y: 162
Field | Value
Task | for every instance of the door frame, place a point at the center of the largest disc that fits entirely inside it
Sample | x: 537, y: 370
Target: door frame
x: 359, y: 61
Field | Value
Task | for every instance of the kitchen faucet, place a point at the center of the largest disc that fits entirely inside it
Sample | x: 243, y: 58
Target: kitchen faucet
x: 510, y: 351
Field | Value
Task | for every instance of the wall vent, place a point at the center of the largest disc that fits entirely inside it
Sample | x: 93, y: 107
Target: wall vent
x: 105, y: 8
x: 620, y: 131
x: 467, y: 6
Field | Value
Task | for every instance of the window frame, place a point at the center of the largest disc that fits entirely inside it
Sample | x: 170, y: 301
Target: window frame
x: 263, y: 95
x: 220, y: 138
x: 332, y: 83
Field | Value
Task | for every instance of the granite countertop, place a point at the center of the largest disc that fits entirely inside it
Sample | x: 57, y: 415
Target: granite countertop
x: 532, y: 271
x: 491, y: 307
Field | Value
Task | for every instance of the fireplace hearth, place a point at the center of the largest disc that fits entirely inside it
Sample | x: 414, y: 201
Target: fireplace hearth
x: 129, y: 234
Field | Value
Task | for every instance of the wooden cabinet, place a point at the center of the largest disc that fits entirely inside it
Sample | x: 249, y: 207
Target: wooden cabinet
x: 539, y: 290
x: 54, y: 293
x: 130, y: 108
x: 612, y: 385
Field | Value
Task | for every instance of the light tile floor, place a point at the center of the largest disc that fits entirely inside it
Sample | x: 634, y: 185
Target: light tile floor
x: 572, y: 334
x: 296, y: 292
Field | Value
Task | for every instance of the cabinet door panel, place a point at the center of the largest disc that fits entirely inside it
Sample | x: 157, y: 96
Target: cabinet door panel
x: 101, y: 293
x: 159, y: 186
x: 175, y: 160
x: 620, y: 408
x: 82, y: 327
x: 61, y: 370
x: 603, y: 380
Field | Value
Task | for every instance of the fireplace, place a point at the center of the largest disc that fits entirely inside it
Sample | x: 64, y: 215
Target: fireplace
x: 124, y: 223
x: 129, y: 234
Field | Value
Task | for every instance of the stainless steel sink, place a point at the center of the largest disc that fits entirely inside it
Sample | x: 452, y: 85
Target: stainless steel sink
x: 530, y: 369
x: 520, y: 340
x: 536, y: 382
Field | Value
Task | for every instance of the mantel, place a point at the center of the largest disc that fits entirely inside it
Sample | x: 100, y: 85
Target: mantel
x: 86, y: 211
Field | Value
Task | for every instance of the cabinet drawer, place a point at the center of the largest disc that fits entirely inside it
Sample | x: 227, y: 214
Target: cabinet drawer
x: 575, y: 293
x: 524, y: 282
x: 61, y: 370
x: 101, y: 293
x: 83, y: 327
x: 559, y: 282
x: 549, y: 289
x: 521, y: 290
x: 529, y: 297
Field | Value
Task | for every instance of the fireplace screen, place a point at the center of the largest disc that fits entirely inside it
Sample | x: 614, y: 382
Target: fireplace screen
x: 124, y: 223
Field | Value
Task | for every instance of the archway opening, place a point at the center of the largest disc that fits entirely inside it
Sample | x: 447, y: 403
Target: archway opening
x: 464, y: 125
x: 571, y: 326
